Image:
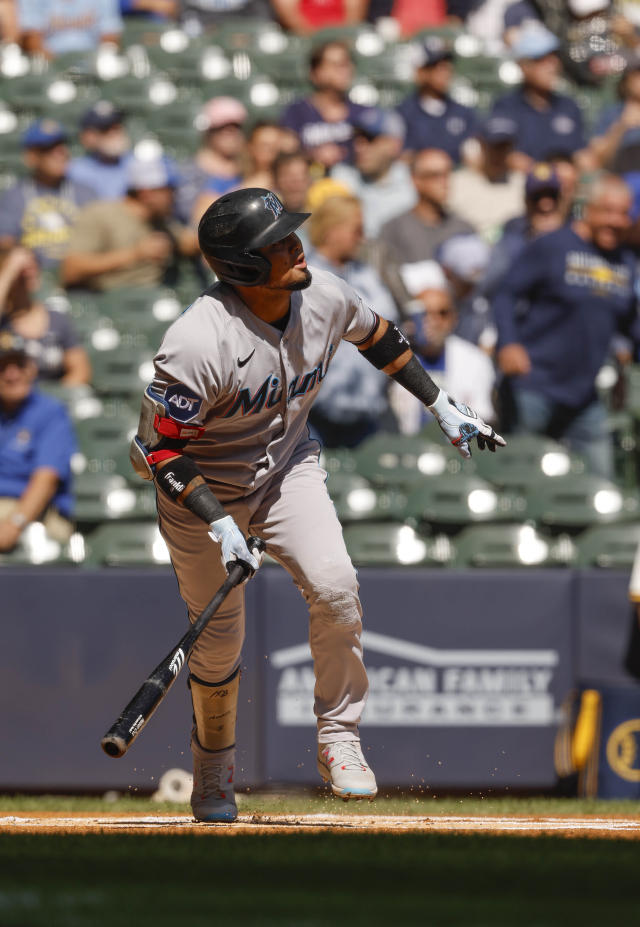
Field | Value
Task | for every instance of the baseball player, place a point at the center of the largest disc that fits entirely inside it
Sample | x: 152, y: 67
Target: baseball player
x: 223, y: 433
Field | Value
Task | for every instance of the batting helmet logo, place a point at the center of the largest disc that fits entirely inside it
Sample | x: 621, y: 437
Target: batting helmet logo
x: 272, y: 203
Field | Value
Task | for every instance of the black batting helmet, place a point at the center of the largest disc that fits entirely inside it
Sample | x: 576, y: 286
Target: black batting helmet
x: 236, y: 225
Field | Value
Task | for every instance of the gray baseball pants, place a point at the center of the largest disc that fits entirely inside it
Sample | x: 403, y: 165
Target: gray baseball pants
x: 294, y: 515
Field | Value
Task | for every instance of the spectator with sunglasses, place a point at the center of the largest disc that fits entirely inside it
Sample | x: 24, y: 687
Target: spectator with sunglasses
x: 36, y: 446
x: 452, y: 362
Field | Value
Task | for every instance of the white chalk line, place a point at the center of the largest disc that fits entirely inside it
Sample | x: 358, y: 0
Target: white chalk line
x: 248, y: 822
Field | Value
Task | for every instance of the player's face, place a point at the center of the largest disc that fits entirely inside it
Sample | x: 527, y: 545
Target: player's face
x: 289, y: 269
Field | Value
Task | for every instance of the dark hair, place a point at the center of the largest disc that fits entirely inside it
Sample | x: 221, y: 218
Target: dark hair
x: 318, y: 53
x: 286, y: 157
x: 262, y: 124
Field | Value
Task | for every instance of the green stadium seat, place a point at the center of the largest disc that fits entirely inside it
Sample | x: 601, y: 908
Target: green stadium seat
x: 578, y: 501
x: 386, y: 544
x: 338, y: 460
x: 526, y: 459
x: 124, y: 371
x: 454, y: 500
x: 357, y: 500
x: 101, y: 440
x: 608, y: 546
x: 500, y: 546
x: 126, y: 544
x: 403, y: 461
x: 100, y: 498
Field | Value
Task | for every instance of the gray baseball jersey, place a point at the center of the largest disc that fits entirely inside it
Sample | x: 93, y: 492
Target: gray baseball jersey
x: 248, y: 384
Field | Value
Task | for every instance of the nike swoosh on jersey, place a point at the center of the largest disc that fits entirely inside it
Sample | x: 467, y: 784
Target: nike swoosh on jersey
x: 241, y: 363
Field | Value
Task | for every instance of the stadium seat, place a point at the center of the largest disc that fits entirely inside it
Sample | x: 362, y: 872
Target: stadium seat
x: 576, y: 501
x: 338, y: 460
x: 126, y: 544
x: 357, y: 500
x: 124, y: 371
x: 501, y: 546
x: 403, y: 461
x: 610, y: 546
x: 386, y: 544
x: 101, y: 440
x: 100, y: 497
x: 454, y: 500
x: 526, y: 458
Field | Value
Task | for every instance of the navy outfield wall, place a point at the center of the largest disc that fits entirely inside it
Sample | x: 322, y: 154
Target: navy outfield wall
x: 468, y: 670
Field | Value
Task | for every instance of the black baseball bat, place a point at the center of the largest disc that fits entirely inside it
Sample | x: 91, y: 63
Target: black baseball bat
x: 134, y: 717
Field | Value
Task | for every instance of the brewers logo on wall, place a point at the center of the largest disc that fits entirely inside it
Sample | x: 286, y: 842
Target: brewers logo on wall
x: 623, y: 750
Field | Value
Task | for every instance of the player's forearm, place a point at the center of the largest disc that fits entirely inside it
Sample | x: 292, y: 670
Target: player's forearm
x: 389, y: 351
x: 180, y: 478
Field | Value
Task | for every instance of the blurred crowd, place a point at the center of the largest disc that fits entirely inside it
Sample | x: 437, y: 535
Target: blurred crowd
x: 505, y: 242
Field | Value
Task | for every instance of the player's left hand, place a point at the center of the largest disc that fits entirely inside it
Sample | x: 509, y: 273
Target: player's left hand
x: 233, y: 545
x: 461, y: 424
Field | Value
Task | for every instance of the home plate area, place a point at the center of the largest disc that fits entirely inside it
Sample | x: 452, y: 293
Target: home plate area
x: 314, y: 823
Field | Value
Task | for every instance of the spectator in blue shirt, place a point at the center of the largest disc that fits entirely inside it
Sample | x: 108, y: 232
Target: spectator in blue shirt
x: 39, y: 210
x: 36, y: 445
x: 103, y: 166
x: 557, y: 312
x: 56, y: 27
x: 547, y: 121
x: 432, y: 118
x: 324, y: 120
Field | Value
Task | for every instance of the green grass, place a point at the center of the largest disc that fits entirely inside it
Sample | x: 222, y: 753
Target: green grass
x: 296, y: 881
x: 317, y: 802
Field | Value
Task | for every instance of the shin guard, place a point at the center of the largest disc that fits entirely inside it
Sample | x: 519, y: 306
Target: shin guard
x: 215, y: 706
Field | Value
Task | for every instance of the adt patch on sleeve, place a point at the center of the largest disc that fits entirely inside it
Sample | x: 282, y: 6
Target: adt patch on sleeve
x: 183, y: 402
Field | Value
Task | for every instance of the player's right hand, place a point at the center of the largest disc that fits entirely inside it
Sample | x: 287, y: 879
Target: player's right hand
x: 233, y: 544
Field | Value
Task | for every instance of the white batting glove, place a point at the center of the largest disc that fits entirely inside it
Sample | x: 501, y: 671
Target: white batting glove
x: 461, y: 424
x: 233, y: 545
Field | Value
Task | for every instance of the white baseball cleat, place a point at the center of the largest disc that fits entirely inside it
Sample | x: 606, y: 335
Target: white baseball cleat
x: 342, y: 764
x: 213, y: 799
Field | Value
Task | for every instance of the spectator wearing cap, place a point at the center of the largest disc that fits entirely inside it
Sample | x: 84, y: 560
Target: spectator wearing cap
x: 457, y: 366
x: 103, y: 166
x: 433, y: 119
x: 58, y: 27
x: 131, y: 242
x: 615, y: 143
x: 557, y: 311
x: 544, y: 212
x: 489, y: 193
x: 353, y: 401
x: 415, y: 235
x: 547, y: 121
x: 36, y: 445
x: 38, y: 211
x: 464, y: 260
x: 50, y: 337
x: 324, y: 120
x: 219, y: 162
x: 380, y: 180
x: 518, y: 16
